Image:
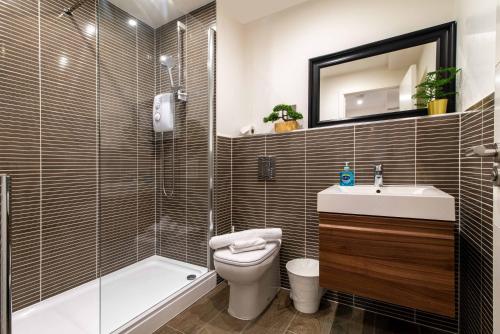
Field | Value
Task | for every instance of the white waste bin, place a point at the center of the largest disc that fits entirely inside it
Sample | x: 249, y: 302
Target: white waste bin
x: 304, y: 282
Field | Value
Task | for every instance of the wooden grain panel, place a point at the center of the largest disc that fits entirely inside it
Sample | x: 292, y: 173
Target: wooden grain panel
x: 402, y: 261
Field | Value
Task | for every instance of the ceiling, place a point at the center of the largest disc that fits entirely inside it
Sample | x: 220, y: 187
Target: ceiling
x: 363, y: 64
x: 245, y: 11
x: 396, y: 60
x: 158, y: 12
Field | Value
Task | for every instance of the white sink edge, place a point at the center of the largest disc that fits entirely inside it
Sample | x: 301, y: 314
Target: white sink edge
x: 441, y: 192
x: 435, y: 206
x: 444, y: 195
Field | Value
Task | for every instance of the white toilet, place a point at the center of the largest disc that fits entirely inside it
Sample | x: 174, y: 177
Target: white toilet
x: 253, y: 277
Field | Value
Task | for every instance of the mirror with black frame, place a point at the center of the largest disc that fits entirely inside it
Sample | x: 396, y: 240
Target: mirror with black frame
x: 379, y: 80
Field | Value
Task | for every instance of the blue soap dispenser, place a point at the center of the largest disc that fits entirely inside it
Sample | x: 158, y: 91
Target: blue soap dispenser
x: 347, y: 176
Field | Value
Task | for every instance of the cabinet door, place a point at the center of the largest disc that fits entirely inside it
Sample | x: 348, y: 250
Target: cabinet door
x: 401, y: 261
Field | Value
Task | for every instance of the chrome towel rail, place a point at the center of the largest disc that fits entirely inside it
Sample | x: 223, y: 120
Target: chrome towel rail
x: 488, y: 151
x: 484, y: 151
x: 5, y: 256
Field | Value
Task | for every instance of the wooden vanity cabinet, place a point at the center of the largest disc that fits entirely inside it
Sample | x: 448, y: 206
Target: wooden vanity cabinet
x: 409, y: 262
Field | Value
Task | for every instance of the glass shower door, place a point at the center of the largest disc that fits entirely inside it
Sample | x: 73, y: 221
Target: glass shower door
x: 126, y: 165
x: 153, y: 186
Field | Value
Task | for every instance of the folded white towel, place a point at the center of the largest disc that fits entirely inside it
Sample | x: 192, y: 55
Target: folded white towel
x: 246, y: 249
x: 245, y: 243
x: 225, y: 240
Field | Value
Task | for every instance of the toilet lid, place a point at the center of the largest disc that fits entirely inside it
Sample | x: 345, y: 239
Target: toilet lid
x: 246, y: 259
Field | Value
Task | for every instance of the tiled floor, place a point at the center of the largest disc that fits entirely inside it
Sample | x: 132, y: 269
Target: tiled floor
x: 209, y: 315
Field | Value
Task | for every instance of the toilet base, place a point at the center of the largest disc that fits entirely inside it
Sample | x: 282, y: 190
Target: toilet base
x: 248, y: 301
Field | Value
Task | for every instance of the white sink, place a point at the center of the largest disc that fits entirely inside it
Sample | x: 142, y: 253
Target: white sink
x: 419, y: 202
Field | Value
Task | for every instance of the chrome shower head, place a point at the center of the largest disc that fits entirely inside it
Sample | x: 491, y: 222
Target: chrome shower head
x: 66, y: 12
x: 169, y: 62
x: 69, y: 11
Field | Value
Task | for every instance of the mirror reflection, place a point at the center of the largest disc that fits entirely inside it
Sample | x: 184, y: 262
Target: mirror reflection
x: 380, y: 84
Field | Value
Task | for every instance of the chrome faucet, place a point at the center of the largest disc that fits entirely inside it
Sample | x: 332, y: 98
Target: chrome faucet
x: 378, y: 175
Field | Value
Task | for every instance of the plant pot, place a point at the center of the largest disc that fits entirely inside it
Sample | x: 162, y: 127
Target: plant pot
x: 437, y: 107
x: 286, y: 126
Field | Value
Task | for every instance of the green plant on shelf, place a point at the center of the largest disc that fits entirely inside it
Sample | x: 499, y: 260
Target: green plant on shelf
x: 434, y: 86
x: 283, y: 111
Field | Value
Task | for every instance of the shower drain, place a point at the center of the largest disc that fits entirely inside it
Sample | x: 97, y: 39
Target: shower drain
x: 191, y: 277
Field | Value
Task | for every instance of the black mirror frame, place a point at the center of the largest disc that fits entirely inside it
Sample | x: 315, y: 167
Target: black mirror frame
x: 444, y: 35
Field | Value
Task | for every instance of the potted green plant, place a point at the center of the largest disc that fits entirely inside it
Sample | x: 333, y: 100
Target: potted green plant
x: 286, y: 113
x: 432, y: 93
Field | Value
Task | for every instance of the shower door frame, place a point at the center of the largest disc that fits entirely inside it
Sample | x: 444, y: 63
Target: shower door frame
x: 211, y: 66
x: 5, y: 256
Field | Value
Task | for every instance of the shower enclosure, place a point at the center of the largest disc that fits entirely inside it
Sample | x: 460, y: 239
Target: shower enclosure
x: 106, y: 220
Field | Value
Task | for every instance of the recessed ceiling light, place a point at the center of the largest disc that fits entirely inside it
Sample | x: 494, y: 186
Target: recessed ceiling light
x: 359, y: 102
x: 132, y: 22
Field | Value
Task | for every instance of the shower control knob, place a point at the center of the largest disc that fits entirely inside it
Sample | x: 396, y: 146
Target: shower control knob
x: 157, y: 116
x: 495, y: 176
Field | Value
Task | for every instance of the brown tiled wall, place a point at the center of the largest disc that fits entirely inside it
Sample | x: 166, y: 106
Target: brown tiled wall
x: 171, y: 217
x: 248, y: 194
x: 223, y: 186
x: 126, y: 67
x: 198, y: 22
x: 437, y: 164
x: 146, y: 224
x: 49, y: 143
x: 183, y: 216
x: 326, y: 151
x: 70, y: 134
x: 422, y: 150
x: 416, y: 151
x: 476, y: 227
x: 68, y: 149
x: 393, y: 144
x: 20, y: 141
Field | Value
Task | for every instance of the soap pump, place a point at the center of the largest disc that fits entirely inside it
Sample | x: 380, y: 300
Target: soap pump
x: 347, y: 176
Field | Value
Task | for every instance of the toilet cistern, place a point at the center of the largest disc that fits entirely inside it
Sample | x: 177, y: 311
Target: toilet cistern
x: 378, y: 175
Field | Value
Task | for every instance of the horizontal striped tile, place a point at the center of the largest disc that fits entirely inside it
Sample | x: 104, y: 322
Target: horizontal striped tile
x: 476, y: 222
x: 183, y: 215
x: 413, y: 151
x: 389, y: 143
x: 69, y: 155
x: 286, y: 195
x: 196, y: 81
x: 118, y: 99
x: 327, y: 150
x: 223, y: 186
x: 248, y: 207
x: 20, y: 144
x: 55, y: 234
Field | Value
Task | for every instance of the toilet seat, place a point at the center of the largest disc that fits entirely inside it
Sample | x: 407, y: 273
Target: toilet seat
x: 246, y: 259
